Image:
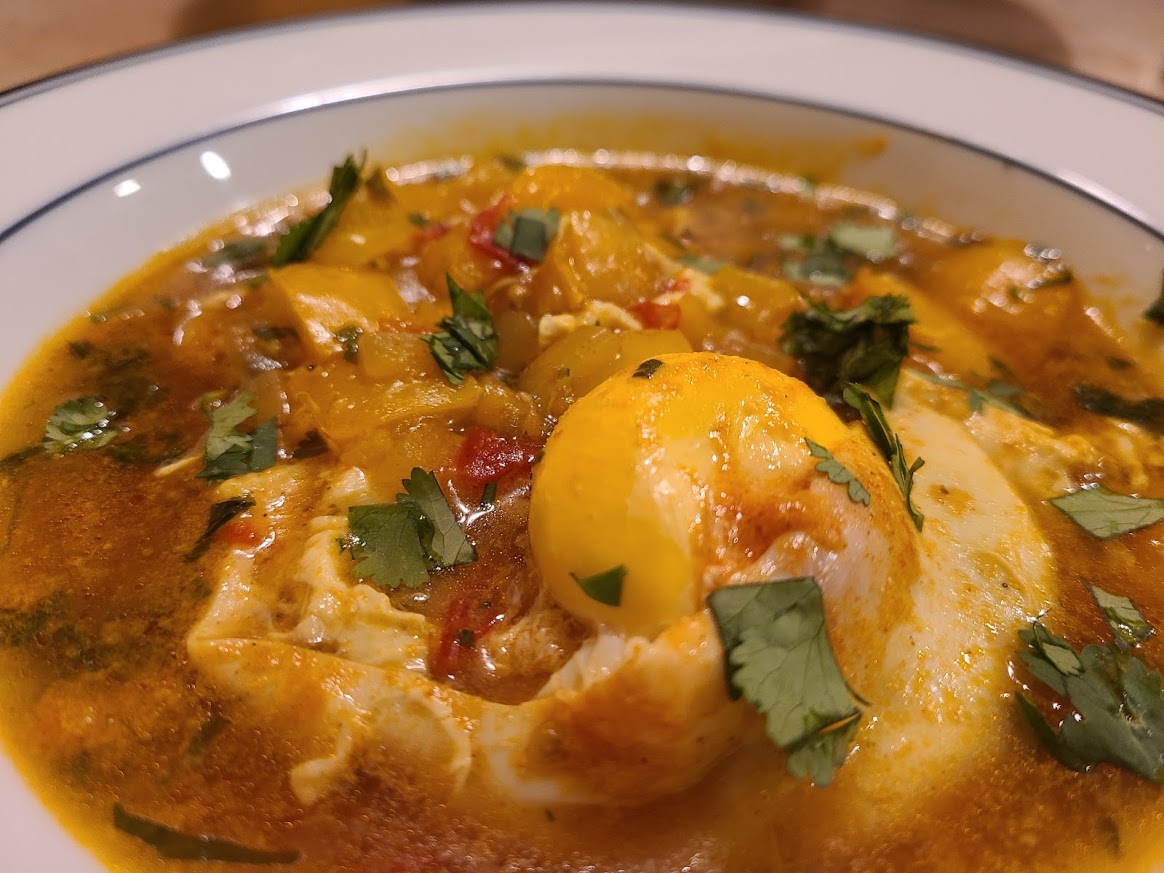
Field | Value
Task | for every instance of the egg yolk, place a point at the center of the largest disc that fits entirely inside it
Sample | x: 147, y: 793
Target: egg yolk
x: 636, y: 471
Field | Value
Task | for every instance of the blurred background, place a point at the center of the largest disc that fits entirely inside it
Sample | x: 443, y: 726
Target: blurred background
x: 1121, y: 41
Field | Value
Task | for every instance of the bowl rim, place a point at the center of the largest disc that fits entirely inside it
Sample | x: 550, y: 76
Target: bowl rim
x: 1002, y: 129
x: 130, y: 57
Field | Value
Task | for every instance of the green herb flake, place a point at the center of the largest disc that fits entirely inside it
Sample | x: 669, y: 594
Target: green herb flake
x: 513, y: 163
x: 838, y: 473
x: 240, y: 255
x: 1118, y: 703
x: 467, y: 341
x: 1123, y: 617
x: 1105, y: 514
x: 779, y: 659
x: 997, y: 393
x: 865, y: 344
x: 1155, y: 312
x: 1148, y: 413
x: 527, y: 233
x: 349, y: 340
x: 488, y: 496
x: 701, y: 263
x: 312, y: 445
x: 646, y: 369
x: 170, y: 843
x: 444, y: 542
x: 398, y: 543
x: 301, y: 239
x: 384, y: 541
x: 231, y: 452
x: 80, y: 349
x: 81, y: 424
x: 674, y: 192
x: 221, y: 513
x: 889, y: 444
x: 418, y: 219
x: 604, y: 587
x: 873, y: 242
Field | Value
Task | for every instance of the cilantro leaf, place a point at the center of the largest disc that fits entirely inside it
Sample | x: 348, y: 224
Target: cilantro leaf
x: 170, y: 843
x: 996, y: 393
x: 888, y: 443
x: 674, y: 192
x: 81, y: 424
x: 779, y: 659
x: 865, y: 344
x: 349, y: 339
x: 1148, y: 413
x: 873, y: 242
x: 384, y: 541
x: 231, y: 452
x: 1118, y: 704
x: 467, y: 341
x: 220, y: 514
x: 1123, y: 617
x: 301, y: 239
x: 702, y: 263
x: 527, y: 233
x: 445, y: 544
x: 398, y: 543
x: 646, y: 369
x: 1105, y: 514
x: 838, y: 473
x: 605, y: 587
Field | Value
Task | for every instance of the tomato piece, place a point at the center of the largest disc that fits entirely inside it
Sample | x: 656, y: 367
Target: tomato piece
x: 242, y: 532
x: 481, y: 232
x: 656, y: 316
x: 487, y: 456
x: 466, y: 621
x: 430, y: 232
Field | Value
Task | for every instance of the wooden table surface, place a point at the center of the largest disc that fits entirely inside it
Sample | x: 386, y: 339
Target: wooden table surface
x: 1121, y: 41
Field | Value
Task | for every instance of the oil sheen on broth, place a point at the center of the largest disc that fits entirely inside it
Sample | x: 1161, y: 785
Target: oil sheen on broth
x: 523, y: 514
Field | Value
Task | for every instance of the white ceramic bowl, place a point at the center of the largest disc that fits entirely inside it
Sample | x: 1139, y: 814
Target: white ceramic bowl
x: 102, y: 167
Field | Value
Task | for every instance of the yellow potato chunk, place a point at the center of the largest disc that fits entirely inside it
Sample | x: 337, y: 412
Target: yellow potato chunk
x: 577, y: 363
x: 367, y: 229
x: 596, y: 257
x: 569, y: 189
x: 323, y: 300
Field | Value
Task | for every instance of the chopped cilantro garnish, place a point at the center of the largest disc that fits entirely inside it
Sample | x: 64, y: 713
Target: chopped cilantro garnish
x: 1155, y: 312
x: 80, y: 424
x: 349, y: 339
x: 674, y: 192
x: 301, y: 239
x: 701, y: 263
x: 778, y: 657
x: 889, y: 444
x: 873, y: 242
x: 418, y: 219
x: 398, y: 543
x: 1105, y: 514
x: 605, y: 587
x: 467, y: 341
x: 488, y: 496
x: 384, y: 541
x: 1124, y: 619
x: 232, y: 452
x: 312, y: 445
x: 220, y: 514
x: 444, y: 542
x: 865, y: 344
x: 646, y: 369
x: 170, y: 843
x: 248, y: 253
x: 527, y: 233
x: 996, y: 393
x: 1148, y: 413
x: 1117, y: 703
x: 838, y: 473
